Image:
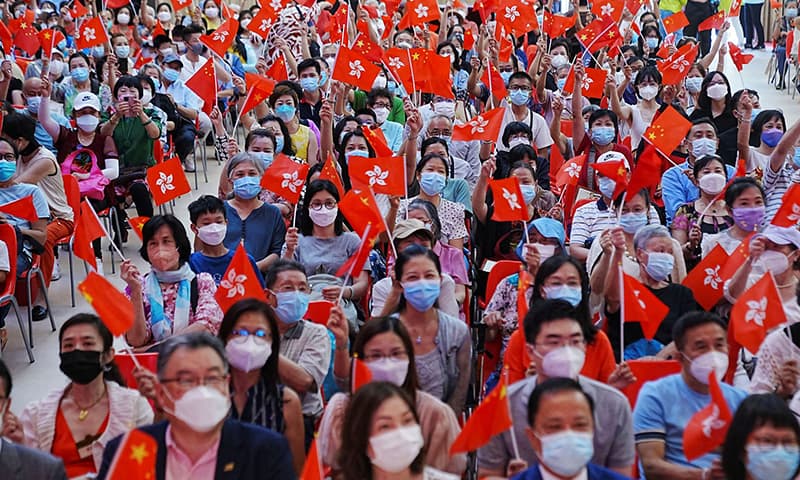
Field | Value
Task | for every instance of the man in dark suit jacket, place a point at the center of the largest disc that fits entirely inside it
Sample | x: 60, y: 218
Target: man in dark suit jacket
x: 198, y: 440
x: 18, y: 462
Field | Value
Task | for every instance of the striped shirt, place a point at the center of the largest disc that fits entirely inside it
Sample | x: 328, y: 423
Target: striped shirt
x: 264, y: 407
x: 593, y: 218
x: 775, y: 185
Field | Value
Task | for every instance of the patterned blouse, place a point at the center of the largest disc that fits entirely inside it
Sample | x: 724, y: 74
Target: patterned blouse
x: 451, y: 216
x: 504, y: 301
x: 264, y: 407
x: 687, y: 216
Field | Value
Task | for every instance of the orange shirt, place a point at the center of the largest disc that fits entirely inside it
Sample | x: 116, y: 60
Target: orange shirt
x: 65, y: 448
x: 599, y: 364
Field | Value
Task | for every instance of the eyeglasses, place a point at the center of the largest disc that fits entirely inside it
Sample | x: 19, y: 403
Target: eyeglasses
x: 439, y: 133
x: 571, y: 342
x: 395, y: 355
x: 329, y: 204
x: 240, y: 335
x: 289, y: 288
x: 9, y: 157
x: 523, y: 89
x: 381, y: 105
x: 186, y: 382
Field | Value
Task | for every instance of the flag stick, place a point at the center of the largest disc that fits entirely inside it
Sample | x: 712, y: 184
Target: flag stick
x: 238, y: 117
x: 344, y: 284
x: 514, y: 444
x: 111, y: 240
x: 413, y: 79
x: 489, y: 75
x: 294, y: 214
x: 129, y: 350
x: 527, y: 235
x: 621, y: 313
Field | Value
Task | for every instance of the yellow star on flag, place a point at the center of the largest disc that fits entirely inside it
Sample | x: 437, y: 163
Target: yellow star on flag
x: 47, y: 35
x: 415, y: 56
x: 139, y: 453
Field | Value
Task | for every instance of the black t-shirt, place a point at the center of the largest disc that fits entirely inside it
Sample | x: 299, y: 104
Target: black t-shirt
x: 724, y: 122
x: 14, y: 84
x: 310, y: 111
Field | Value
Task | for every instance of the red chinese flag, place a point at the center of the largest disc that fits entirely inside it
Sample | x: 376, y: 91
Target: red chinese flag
x: 735, y: 260
x: 705, y: 279
x: 78, y: 10
x: 377, y: 140
x: 361, y: 210
x: 5, y: 37
x: 135, y: 457
x: 469, y: 39
x: 675, y: 22
x: 508, y: 203
x: 485, y: 126
x: 593, y: 82
x: 167, y: 181
x: 525, y: 281
x: 668, y: 130
x: 87, y: 229
x: 788, y: 215
x: 91, y: 33
x: 239, y: 281
x: 556, y: 25
x: 204, y: 83
x: 497, y: 87
x: 675, y: 67
x: 355, y: 263
x: 616, y: 171
x: 22, y: 208
x: 556, y: 162
x: 27, y: 38
x: 285, y: 178
x: 354, y: 69
x: 137, y: 223
x: 178, y: 5
x: 312, y: 469
x: 643, y: 307
x: 646, y: 174
x: 647, y: 371
x: 259, y: 88
x: 360, y: 376
x: 278, y: 71
x: 319, y: 311
x: 111, y: 305
x: 707, y: 428
x: 221, y: 39
x: 610, y: 8
x: 419, y: 12
x: 264, y: 20
x: 739, y: 58
x: 330, y: 173
x: 367, y: 48
x: 756, y: 312
x: 431, y: 67
x: 116, y: 3
x: 485, y: 8
x: 601, y: 32
x: 570, y: 172
x: 382, y: 174
x: 714, y: 22
x: 48, y: 39
x: 491, y: 418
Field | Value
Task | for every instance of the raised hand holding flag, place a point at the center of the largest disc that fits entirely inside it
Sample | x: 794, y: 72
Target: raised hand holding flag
x: 508, y: 203
x: 285, y: 177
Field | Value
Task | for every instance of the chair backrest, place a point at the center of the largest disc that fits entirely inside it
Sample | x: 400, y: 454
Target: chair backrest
x: 8, y: 236
x: 126, y: 365
x: 499, y: 271
x: 73, y: 192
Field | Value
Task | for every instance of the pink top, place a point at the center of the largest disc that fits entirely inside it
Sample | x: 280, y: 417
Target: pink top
x: 179, y: 466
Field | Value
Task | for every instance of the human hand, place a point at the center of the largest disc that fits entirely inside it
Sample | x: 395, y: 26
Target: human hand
x: 757, y: 247
x: 292, y: 239
x: 787, y: 378
x: 515, y: 466
x: 493, y: 320
x: 145, y: 382
x: 488, y: 167
x: 130, y: 275
x: 621, y: 377
x: 331, y: 292
x: 337, y: 324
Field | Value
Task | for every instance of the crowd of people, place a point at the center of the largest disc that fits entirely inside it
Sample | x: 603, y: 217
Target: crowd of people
x: 263, y: 388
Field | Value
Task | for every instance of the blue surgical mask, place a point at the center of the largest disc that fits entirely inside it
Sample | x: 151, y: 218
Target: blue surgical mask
x: 391, y: 85
x: 80, y: 74
x: 505, y: 76
x: 659, y: 265
x: 157, y: 84
x: 603, y: 135
x: 573, y: 295
x: 519, y: 97
x: 432, y: 183
x: 265, y: 158
x: 278, y: 144
x: 99, y: 51
x: 561, y: 82
x: 796, y: 157
x: 285, y: 112
x: 323, y: 78
x: 772, y: 463
x: 421, y: 294
x: 754, y: 114
x: 566, y: 452
x: 652, y: 42
x: 356, y: 153
x: 309, y: 84
x: 122, y: 51
x: 247, y: 187
x: 171, y: 75
x: 607, y: 186
x: 7, y: 170
x: 528, y: 193
x: 632, y: 222
x: 292, y: 306
x: 33, y: 104
x: 771, y: 137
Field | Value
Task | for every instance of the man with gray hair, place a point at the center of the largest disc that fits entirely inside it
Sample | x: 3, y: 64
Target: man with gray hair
x: 466, y: 163
x: 198, y: 439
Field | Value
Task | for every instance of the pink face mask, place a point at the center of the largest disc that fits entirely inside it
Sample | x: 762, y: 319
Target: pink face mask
x: 164, y: 259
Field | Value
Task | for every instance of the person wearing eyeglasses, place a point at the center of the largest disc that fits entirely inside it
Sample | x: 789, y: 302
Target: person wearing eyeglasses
x: 252, y: 345
x: 198, y: 440
x: 305, y: 349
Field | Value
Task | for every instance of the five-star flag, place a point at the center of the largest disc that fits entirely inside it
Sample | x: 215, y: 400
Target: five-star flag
x: 667, y: 130
x: 361, y: 210
x: 330, y: 173
x: 740, y: 59
x: 111, y: 305
x: 615, y: 170
x: 714, y: 22
x: 492, y: 417
x: 135, y: 457
x: 556, y: 25
x: 48, y: 39
x: 601, y: 32
x: 87, y: 229
x: 259, y: 89
x: 642, y: 306
x: 377, y: 141
x: 203, y: 82
x: 675, y: 22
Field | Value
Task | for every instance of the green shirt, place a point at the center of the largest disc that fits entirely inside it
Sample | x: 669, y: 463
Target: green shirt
x: 135, y: 147
x: 673, y: 6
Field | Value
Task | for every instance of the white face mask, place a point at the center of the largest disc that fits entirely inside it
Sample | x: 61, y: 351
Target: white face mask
x: 123, y: 19
x: 703, y: 146
x: 248, y: 355
x: 448, y: 109
x: 712, y: 183
x: 379, y: 82
x: 567, y: 452
x: 212, y: 12
x: 559, y: 61
x: 389, y: 370
x: 56, y: 68
x: 164, y: 16
x: 147, y: 95
x: 708, y: 362
x: 717, y: 91
x: 323, y: 217
x: 87, y: 123
x: 212, y: 234
x: 775, y: 262
x: 566, y: 362
x: 393, y: 451
x: 202, y: 408
x: 649, y: 92
x: 518, y: 141
x: 545, y: 251
x: 381, y: 114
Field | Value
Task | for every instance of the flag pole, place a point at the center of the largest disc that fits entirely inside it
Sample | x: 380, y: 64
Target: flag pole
x: 514, y: 444
x: 294, y: 214
x: 489, y: 75
x: 413, y: 80
x: 111, y: 240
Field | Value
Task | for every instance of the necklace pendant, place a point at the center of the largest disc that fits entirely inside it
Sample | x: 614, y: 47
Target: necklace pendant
x: 419, y: 339
x: 82, y: 415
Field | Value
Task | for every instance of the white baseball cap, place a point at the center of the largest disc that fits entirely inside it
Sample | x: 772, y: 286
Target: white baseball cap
x: 86, y: 99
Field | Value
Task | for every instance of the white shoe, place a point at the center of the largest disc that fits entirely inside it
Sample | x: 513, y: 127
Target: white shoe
x: 99, y: 266
x: 56, y: 272
x: 188, y: 164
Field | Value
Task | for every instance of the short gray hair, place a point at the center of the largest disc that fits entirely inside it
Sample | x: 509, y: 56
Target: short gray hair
x: 243, y: 157
x: 648, y: 232
x: 189, y: 341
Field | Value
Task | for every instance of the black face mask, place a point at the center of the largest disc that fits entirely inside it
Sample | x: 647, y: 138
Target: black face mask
x: 30, y: 148
x: 81, y: 366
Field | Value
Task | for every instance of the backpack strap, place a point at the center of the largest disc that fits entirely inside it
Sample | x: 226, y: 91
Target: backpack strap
x: 194, y: 294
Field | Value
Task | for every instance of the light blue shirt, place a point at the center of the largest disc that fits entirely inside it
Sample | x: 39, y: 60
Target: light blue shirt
x: 41, y: 135
x: 183, y: 95
x: 22, y: 190
x: 677, y: 189
x: 663, y: 410
x: 393, y: 132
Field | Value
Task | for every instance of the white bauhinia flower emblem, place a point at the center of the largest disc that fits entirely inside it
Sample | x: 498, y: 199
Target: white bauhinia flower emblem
x: 712, y: 277
x: 265, y: 25
x: 587, y: 82
x: 511, y: 198
x: 512, y: 13
x: 292, y: 182
x: 712, y: 422
x: 421, y: 11
x: 478, y: 124
x: 680, y: 64
x: 377, y: 176
x: 233, y: 283
x: 276, y: 5
x: 164, y: 182
x: 794, y: 217
x: 756, y: 311
x: 218, y: 36
x: 395, y: 63
x: 641, y: 302
x: 573, y: 170
x: 89, y: 34
x: 356, y: 69
x: 606, y: 9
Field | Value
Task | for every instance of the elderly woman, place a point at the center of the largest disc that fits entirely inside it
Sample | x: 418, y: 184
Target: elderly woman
x: 77, y: 421
x: 260, y: 225
x: 654, y: 252
x: 170, y: 299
